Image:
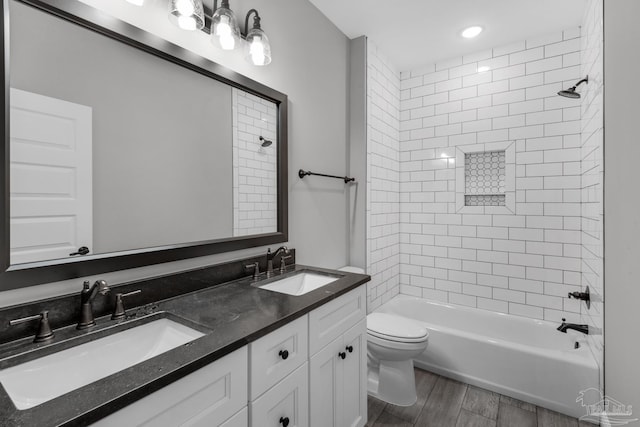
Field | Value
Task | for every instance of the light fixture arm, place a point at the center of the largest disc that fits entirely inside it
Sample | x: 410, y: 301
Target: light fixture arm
x: 256, y: 21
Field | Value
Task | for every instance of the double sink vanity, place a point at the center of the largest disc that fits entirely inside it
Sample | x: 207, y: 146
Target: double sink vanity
x: 284, y: 350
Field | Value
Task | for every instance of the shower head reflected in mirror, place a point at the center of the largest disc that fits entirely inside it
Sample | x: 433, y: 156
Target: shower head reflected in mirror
x: 265, y: 142
x: 571, y: 92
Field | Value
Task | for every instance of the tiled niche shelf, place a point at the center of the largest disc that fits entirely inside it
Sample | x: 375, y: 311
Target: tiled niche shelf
x: 484, y: 175
x: 485, y: 178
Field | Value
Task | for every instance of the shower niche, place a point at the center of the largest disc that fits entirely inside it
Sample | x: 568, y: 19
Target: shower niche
x: 485, y: 178
x: 484, y: 175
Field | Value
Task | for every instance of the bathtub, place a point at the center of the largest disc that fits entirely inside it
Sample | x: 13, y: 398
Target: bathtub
x: 519, y: 357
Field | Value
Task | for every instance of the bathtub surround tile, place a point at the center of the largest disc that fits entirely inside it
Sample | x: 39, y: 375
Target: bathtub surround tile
x: 482, y: 402
x: 515, y: 105
x: 591, y: 172
x: 383, y: 166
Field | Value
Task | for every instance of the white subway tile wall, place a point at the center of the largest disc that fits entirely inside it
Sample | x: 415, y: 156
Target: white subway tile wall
x: 592, y: 170
x: 254, y: 167
x: 523, y: 263
x: 383, y: 175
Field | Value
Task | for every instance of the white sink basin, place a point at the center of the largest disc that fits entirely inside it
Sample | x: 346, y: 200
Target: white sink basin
x: 299, y: 284
x: 37, y: 381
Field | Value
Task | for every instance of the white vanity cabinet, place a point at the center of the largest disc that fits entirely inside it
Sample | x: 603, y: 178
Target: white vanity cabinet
x: 215, y: 395
x: 309, y: 372
x: 338, y: 369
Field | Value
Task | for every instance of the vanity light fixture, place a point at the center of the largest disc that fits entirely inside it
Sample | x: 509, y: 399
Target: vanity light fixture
x: 225, y: 33
x: 471, y: 32
x: 257, y: 49
x: 187, y: 14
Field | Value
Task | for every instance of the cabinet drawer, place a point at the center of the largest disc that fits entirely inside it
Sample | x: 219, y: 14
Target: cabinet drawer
x: 206, y: 397
x: 331, y: 320
x: 276, y: 355
x: 287, y: 399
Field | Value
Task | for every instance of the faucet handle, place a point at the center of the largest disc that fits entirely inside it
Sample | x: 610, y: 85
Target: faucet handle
x: 283, y: 262
x: 44, y: 330
x: 119, y: 311
x: 256, y: 269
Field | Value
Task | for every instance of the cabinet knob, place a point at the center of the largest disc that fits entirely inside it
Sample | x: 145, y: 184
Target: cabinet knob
x: 342, y: 355
x: 349, y: 348
x: 284, y: 421
x: 284, y: 354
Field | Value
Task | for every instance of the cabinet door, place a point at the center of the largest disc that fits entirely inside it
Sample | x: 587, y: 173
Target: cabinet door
x: 241, y: 419
x: 354, y: 377
x: 325, y: 386
x: 330, y: 321
x: 286, y: 403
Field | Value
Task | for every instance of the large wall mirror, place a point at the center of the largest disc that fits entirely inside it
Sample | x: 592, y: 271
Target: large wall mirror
x: 123, y: 150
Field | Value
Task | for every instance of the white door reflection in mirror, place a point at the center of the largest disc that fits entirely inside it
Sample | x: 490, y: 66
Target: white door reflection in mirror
x: 51, y: 200
x: 254, y: 164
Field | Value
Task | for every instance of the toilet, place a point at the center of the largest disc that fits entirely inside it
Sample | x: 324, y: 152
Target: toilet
x: 392, y: 343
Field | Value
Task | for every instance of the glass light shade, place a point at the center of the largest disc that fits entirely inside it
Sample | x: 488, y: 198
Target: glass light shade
x: 225, y: 33
x: 258, y: 49
x: 187, y: 14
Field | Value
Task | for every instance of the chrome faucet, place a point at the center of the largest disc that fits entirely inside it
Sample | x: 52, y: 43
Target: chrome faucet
x: 580, y: 328
x: 271, y: 256
x: 87, y: 295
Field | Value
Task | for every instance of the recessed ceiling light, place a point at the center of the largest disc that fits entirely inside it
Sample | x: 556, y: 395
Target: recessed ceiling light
x: 483, y: 68
x: 471, y: 32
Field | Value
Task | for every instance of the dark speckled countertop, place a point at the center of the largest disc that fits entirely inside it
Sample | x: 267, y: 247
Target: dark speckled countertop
x: 232, y: 314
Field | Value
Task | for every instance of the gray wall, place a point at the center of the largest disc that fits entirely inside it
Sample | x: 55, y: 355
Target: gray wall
x: 621, y: 202
x: 311, y: 65
x: 358, y: 151
x: 156, y: 181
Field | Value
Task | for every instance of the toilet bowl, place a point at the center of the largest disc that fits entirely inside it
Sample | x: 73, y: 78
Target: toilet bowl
x: 392, y: 343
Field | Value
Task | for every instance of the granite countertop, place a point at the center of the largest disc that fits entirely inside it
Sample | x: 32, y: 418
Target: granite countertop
x: 232, y: 315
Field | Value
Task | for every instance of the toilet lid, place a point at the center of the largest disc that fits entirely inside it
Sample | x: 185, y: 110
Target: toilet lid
x: 396, y: 328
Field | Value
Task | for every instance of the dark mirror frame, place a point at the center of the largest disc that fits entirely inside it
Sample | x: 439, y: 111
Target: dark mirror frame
x: 22, y: 275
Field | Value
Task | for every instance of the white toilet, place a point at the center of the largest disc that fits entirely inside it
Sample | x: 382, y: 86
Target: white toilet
x: 392, y: 343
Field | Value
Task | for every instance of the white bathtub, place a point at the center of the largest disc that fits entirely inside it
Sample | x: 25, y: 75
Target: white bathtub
x: 523, y: 358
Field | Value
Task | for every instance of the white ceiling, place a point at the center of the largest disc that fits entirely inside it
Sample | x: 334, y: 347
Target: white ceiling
x: 412, y: 33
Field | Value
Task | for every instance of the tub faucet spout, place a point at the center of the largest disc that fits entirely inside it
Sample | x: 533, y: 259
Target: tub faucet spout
x: 576, y: 327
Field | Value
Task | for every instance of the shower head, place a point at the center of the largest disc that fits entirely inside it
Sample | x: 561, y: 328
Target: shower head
x: 265, y: 142
x: 571, y: 92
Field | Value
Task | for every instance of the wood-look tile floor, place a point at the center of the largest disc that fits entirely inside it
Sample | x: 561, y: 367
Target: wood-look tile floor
x: 443, y: 402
